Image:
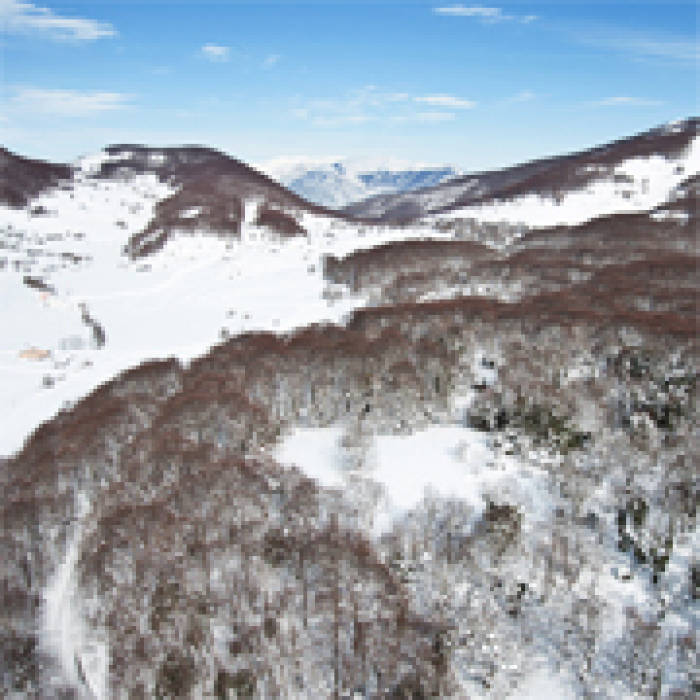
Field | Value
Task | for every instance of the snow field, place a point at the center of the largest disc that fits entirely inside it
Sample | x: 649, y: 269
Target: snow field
x: 174, y: 303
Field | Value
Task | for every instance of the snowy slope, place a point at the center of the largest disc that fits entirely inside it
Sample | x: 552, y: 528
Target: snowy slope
x: 337, y: 182
x: 632, y: 174
x: 67, y: 281
x: 177, y: 302
x: 82, y: 653
x: 78, y: 311
x: 636, y: 184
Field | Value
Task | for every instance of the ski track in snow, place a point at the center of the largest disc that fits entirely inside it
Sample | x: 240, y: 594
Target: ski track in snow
x: 81, y: 656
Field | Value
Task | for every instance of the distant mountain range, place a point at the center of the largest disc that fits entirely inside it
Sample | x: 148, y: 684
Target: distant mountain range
x: 340, y: 182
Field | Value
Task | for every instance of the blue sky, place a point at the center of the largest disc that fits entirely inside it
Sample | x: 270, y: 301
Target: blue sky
x: 474, y: 85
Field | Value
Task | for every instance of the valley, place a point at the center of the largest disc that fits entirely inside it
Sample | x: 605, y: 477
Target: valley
x: 440, y: 442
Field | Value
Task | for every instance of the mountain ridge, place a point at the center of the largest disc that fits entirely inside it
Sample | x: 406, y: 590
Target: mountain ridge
x: 22, y: 178
x: 548, y: 176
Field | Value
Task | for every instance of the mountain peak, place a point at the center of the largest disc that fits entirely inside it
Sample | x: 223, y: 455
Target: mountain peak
x: 336, y: 183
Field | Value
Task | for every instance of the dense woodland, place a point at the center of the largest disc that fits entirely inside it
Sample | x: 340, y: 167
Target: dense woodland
x: 207, y: 567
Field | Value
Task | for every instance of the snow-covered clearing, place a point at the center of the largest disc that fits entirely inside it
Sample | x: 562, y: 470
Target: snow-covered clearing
x: 447, y: 462
x: 443, y: 461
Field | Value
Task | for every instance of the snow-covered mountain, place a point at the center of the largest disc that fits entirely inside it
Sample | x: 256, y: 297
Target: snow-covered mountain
x: 117, y: 238
x: 627, y: 175
x: 336, y: 183
x: 259, y: 448
x: 131, y: 236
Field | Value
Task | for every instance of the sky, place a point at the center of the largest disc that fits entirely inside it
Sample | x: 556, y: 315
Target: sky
x: 476, y: 86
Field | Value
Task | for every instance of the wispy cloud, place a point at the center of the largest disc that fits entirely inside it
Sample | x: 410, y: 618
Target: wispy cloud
x: 27, y: 18
x: 215, y: 53
x: 642, y: 45
x: 435, y: 117
x: 426, y: 117
x: 671, y: 49
x: 621, y: 101
x: 369, y: 104
x: 446, y: 101
x: 271, y: 61
x: 522, y: 96
x: 66, y: 103
x: 486, y: 14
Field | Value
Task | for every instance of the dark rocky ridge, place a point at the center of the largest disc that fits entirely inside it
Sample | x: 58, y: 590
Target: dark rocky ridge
x: 548, y: 177
x: 214, y: 184
x: 23, y: 178
x: 188, y: 166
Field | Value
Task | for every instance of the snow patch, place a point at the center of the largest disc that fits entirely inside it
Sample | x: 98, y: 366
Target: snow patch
x: 91, y: 164
x: 443, y: 461
x: 670, y: 215
x: 191, y: 213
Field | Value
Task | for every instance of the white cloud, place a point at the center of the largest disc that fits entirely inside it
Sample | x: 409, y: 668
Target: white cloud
x: 663, y: 47
x: 626, y: 101
x: 434, y: 117
x: 522, y: 96
x: 25, y: 17
x: 215, y: 52
x: 474, y: 11
x: 67, y: 103
x: 486, y: 14
x: 369, y: 104
x: 446, y: 101
x: 272, y: 60
x: 671, y: 49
